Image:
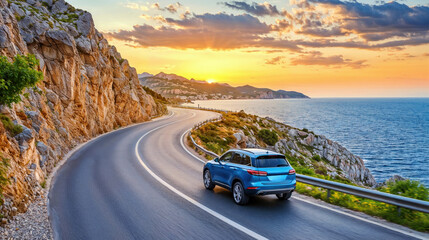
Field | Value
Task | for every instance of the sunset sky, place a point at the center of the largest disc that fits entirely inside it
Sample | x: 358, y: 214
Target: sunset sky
x: 323, y: 48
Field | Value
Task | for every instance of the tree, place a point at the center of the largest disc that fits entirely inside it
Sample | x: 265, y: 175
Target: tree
x: 16, y: 76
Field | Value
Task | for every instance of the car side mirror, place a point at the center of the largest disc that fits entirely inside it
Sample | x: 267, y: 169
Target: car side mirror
x: 216, y: 159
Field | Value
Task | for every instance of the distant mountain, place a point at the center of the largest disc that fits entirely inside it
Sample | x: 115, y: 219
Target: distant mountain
x: 174, y: 86
x: 145, y: 74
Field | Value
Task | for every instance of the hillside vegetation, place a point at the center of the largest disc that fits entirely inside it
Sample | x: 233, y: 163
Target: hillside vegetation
x: 16, y: 76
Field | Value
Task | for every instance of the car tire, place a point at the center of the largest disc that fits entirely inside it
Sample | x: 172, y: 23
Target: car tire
x: 239, y: 196
x: 207, y: 180
x: 284, y: 196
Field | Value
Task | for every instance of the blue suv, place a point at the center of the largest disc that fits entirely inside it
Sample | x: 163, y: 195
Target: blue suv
x: 248, y: 172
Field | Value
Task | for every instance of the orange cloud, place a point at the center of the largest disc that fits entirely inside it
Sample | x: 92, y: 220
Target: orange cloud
x: 316, y: 58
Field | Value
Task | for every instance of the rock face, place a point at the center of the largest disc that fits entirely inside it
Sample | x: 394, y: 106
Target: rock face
x: 88, y: 89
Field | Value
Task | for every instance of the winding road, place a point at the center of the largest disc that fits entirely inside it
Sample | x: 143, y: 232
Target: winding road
x: 141, y: 182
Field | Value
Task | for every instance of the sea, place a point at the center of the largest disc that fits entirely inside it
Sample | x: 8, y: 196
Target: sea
x: 391, y: 135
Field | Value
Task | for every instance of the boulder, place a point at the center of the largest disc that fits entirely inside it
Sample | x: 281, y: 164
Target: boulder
x: 24, y: 136
x: 42, y: 148
x: 48, y: 2
x: 84, y: 44
x: 4, y: 36
x: 60, y: 6
x: 60, y: 37
x: 395, y: 178
x: 85, y: 24
x: 33, y: 166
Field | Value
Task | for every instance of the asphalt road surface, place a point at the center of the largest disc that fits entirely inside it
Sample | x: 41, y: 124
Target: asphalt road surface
x: 140, y: 183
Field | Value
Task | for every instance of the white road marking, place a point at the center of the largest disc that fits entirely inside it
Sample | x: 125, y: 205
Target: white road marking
x: 183, y: 146
x: 415, y: 235
x: 186, y: 197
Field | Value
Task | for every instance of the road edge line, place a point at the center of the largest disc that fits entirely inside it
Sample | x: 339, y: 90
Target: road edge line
x: 184, y: 147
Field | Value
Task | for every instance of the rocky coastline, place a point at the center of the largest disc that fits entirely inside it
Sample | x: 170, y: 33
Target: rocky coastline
x: 304, y: 149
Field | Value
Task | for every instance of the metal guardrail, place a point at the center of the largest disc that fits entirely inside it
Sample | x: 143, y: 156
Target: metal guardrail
x: 400, y: 201
x: 198, y: 146
x: 205, y: 108
x: 201, y: 148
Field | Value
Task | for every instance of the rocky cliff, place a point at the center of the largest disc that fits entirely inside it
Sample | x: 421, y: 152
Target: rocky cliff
x: 308, y: 153
x: 88, y: 89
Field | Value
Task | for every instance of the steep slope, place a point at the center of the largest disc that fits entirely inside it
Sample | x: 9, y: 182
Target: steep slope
x: 88, y: 89
x: 172, y: 86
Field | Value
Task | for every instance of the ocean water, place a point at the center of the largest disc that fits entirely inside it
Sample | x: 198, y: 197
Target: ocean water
x: 391, y: 135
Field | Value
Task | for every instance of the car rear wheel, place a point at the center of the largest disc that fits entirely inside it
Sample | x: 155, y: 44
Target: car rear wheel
x: 284, y: 196
x: 208, y: 183
x: 240, y: 197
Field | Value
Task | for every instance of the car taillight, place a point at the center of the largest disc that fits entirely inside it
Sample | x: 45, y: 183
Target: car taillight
x: 257, y: 173
x: 292, y: 171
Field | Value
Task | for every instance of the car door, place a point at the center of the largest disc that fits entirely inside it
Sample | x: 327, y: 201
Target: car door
x: 219, y: 171
x: 232, y: 166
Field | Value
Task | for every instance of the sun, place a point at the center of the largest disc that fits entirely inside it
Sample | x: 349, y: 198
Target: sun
x: 211, y: 80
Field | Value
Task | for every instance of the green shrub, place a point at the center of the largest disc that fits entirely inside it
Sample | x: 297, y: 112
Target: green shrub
x: 13, y: 128
x: 232, y: 120
x: 413, y: 219
x: 317, y: 158
x: 45, y: 4
x: 43, y: 184
x: 304, y: 170
x: 4, y: 180
x: 16, y: 76
x: 242, y: 114
x: 157, y: 97
x: 19, y: 18
x: 321, y: 170
x: 408, y: 188
x: 269, y: 137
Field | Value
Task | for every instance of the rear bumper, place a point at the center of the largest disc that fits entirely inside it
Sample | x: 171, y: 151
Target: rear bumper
x: 261, y: 189
x: 274, y: 191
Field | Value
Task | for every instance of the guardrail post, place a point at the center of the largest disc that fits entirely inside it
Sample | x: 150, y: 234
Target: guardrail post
x: 328, y: 195
x: 399, y: 211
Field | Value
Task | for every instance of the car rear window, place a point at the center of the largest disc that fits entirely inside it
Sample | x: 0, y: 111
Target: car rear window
x: 271, y: 161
